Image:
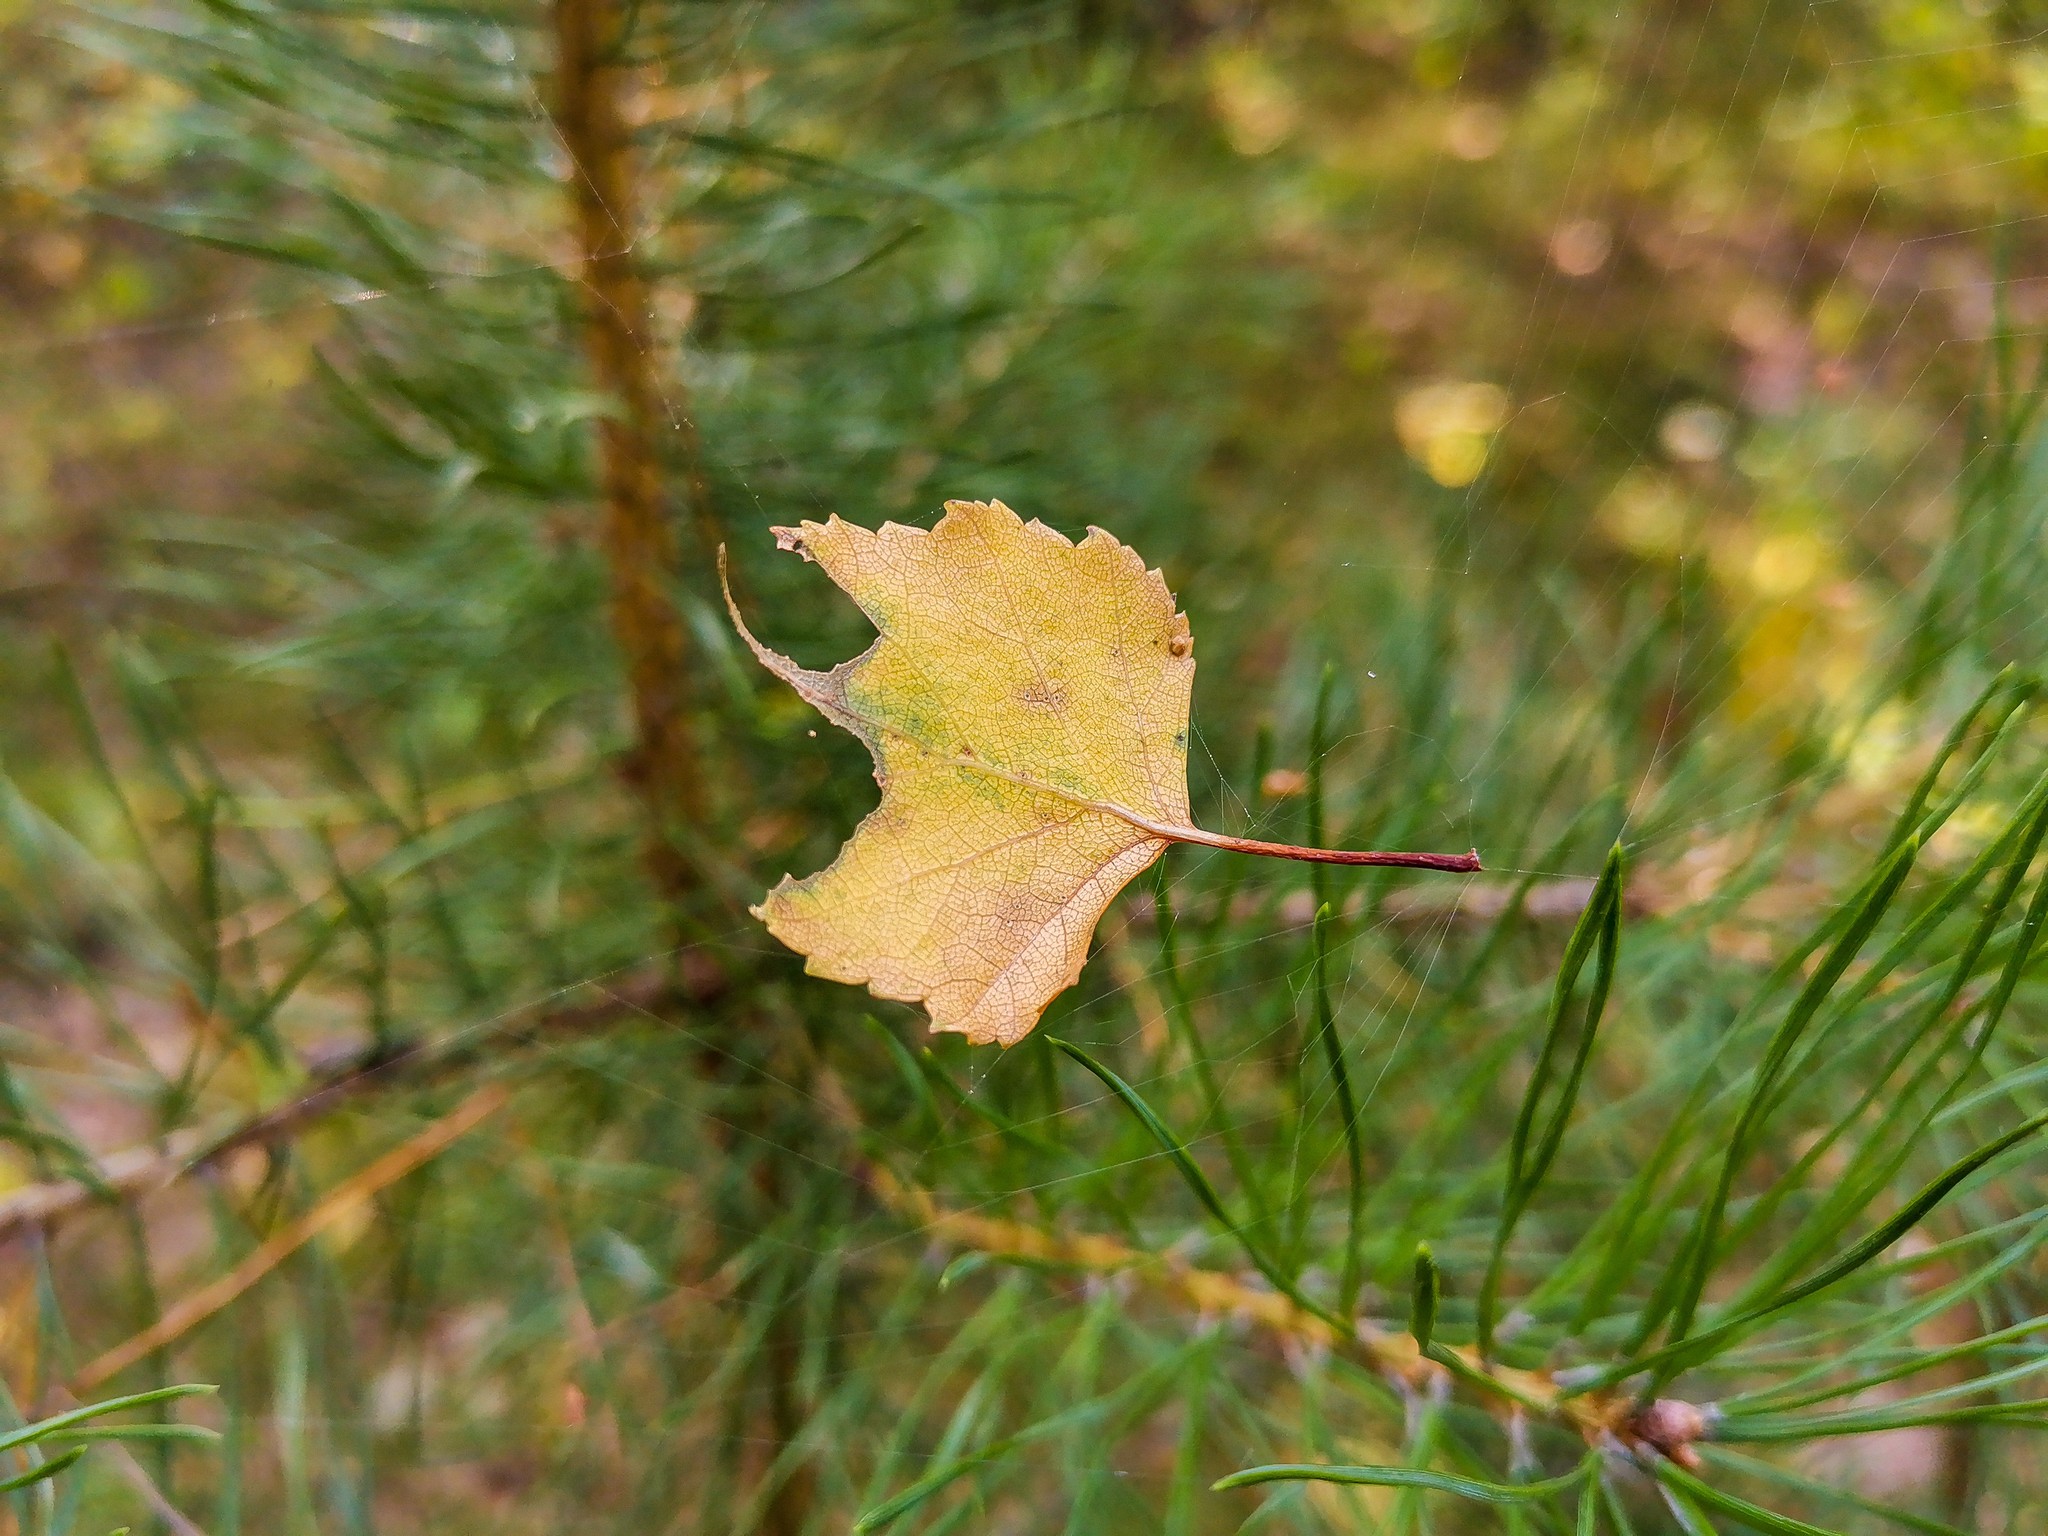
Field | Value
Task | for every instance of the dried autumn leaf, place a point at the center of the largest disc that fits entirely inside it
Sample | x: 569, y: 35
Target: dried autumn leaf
x: 1026, y: 705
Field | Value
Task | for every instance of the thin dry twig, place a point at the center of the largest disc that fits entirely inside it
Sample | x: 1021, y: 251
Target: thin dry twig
x: 337, y: 1204
x: 135, y: 1476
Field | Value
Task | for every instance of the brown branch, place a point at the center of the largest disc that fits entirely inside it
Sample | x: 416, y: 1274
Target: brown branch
x: 139, y: 1171
x: 1558, y: 899
x: 639, y: 542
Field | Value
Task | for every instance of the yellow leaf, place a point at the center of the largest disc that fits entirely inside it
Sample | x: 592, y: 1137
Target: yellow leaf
x: 1026, y: 705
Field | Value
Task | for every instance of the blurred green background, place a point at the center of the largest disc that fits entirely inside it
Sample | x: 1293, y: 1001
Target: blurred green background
x: 1631, y: 404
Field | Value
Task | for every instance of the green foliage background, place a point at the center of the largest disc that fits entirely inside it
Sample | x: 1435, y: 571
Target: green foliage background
x: 1562, y: 424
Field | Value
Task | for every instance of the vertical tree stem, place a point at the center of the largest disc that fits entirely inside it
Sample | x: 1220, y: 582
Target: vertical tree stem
x: 640, y: 550
x: 639, y: 542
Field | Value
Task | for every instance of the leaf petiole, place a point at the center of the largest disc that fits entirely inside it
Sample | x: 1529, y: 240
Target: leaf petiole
x: 1176, y: 832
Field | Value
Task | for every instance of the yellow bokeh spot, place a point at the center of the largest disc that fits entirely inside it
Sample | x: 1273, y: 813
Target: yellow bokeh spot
x: 1970, y: 828
x: 1447, y: 427
x: 138, y: 415
x: 1645, y: 514
x: 1771, y: 663
x: 1455, y: 459
x: 2030, y: 83
x: 1785, y: 563
x: 1258, y: 109
x: 1871, y: 752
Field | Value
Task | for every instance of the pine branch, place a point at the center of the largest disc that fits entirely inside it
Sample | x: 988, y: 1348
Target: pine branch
x: 1664, y: 1428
